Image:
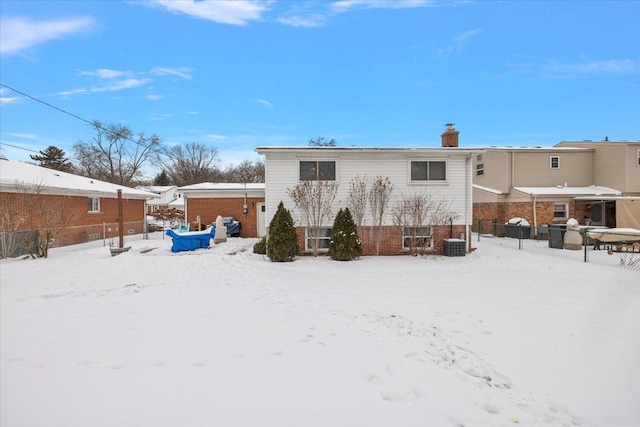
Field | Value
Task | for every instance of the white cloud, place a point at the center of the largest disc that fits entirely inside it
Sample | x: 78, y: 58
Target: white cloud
x: 17, y: 34
x: 233, y: 12
x: 348, y: 5
x: 554, y: 69
x: 216, y: 137
x: 458, y: 42
x: 265, y: 103
x: 159, y: 117
x: 6, y: 100
x: 104, y: 73
x: 111, y: 87
x: 153, y: 97
x: 314, y: 20
x: 180, y: 72
x: 23, y: 135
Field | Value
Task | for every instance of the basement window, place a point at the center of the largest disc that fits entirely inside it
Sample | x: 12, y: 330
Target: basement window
x: 324, y: 237
x: 417, y: 238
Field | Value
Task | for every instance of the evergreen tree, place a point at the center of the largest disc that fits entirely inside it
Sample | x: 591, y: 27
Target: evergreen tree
x: 282, y: 244
x: 161, y: 179
x: 53, y: 158
x: 345, y: 243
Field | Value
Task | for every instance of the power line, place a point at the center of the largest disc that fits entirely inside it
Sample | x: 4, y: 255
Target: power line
x: 47, y: 104
x: 95, y: 124
x: 20, y: 148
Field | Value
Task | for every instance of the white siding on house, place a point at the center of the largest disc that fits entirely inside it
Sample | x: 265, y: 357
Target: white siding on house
x: 281, y: 173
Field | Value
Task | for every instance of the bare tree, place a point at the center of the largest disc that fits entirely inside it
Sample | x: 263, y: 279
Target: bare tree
x: 357, y: 200
x: 33, y: 208
x: 314, y: 201
x: 115, y: 154
x: 245, y: 172
x: 379, y: 197
x: 418, y: 215
x: 190, y: 164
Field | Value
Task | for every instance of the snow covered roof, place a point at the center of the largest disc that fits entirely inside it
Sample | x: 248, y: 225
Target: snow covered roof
x: 223, y: 186
x: 560, y: 190
x: 156, y: 188
x: 57, y: 182
x: 487, y: 189
x: 426, y: 150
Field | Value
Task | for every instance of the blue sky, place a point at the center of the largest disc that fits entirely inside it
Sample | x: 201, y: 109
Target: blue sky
x: 240, y: 74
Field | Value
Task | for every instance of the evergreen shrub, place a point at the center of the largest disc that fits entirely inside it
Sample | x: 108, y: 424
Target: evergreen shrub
x: 345, y: 243
x: 282, y: 244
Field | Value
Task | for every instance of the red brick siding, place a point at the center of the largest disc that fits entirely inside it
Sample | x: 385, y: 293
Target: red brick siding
x: 502, y: 212
x: 209, y: 209
x: 391, y: 243
x: 80, y: 222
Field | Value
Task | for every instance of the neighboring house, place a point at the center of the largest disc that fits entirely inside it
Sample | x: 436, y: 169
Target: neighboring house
x: 595, y: 183
x: 443, y: 173
x: 89, y: 206
x: 204, y: 202
x: 170, y: 197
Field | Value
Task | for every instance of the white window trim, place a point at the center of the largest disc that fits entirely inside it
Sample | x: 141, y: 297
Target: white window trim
x: 308, y: 248
x: 566, y: 210
x: 427, y: 182
x: 638, y: 164
x: 480, y: 169
x: 551, y: 162
x: 93, y: 198
x: 335, y: 160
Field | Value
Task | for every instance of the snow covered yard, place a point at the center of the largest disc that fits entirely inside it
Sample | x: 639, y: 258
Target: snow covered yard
x: 223, y: 337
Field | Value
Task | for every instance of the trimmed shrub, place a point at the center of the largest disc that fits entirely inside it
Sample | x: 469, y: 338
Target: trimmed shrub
x: 260, y: 247
x: 282, y: 244
x: 345, y: 243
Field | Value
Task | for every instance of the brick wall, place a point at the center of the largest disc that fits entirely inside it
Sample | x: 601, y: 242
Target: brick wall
x: 502, y: 212
x: 209, y: 209
x: 78, y: 223
x: 391, y: 243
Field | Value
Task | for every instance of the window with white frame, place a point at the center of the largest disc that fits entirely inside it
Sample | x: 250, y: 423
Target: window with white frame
x: 428, y: 170
x: 317, y: 170
x: 480, y: 169
x: 638, y: 157
x: 417, y: 237
x: 93, y: 204
x: 560, y: 211
x: 323, y: 237
x: 554, y: 162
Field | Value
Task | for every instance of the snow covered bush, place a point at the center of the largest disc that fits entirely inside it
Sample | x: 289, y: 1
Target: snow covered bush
x: 282, y: 244
x: 345, y: 243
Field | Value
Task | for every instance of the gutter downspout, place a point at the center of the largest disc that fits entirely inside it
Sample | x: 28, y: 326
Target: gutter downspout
x: 535, y: 217
x: 467, y: 201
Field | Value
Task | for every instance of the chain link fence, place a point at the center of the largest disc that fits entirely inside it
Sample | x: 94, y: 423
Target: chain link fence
x: 22, y: 242
x: 614, y: 247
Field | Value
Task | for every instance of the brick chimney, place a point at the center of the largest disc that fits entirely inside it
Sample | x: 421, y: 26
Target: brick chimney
x: 450, y: 136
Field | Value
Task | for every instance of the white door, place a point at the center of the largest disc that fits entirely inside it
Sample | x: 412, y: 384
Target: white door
x: 262, y: 226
